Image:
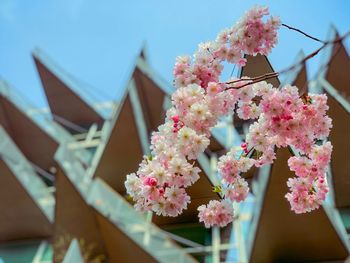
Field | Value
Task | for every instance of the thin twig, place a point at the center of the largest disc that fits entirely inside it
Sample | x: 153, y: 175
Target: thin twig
x: 325, y: 65
x: 270, y: 75
x: 262, y: 78
x: 321, y: 69
x: 302, y: 32
x: 247, y: 79
x: 302, y: 61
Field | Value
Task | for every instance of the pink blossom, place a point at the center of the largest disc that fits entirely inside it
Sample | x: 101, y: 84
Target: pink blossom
x: 216, y: 213
x: 237, y: 191
x: 279, y: 117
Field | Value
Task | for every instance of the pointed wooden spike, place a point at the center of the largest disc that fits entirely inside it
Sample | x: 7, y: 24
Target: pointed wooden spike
x: 123, y: 151
x: 21, y: 218
x: 24, y: 131
x: 338, y: 68
x: 119, y: 246
x: 301, y: 80
x: 68, y: 108
x: 334, y: 73
x: 151, y: 99
x: 281, y: 235
x: 339, y: 137
x: 74, y: 218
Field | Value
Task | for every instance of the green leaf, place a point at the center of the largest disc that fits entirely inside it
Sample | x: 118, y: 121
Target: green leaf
x: 217, y: 189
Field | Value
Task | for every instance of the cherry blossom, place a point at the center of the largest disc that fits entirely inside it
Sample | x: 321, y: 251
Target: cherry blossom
x: 216, y: 213
x: 308, y: 190
x: 279, y: 117
x: 250, y: 35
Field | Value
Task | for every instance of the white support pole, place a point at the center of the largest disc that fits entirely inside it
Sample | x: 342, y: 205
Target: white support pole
x: 40, y: 252
x: 147, y: 233
x: 239, y: 239
x: 91, y: 133
x: 216, y: 244
x: 139, y: 118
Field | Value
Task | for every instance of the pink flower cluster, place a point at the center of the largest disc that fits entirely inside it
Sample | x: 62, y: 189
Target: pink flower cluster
x: 159, y: 184
x: 284, y: 120
x: 251, y: 35
x: 282, y: 117
x: 216, y: 213
x: 230, y: 167
x: 308, y: 190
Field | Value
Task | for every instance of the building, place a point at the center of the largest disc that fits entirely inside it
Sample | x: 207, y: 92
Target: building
x: 63, y: 171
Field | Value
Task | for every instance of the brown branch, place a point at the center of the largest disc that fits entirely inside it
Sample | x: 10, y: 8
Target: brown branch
x: 256, y: 80
x: 302, y: 61
x: 270, y: 75
x: 321, y: 69
x: 311, y: 55
x: 302, y: 32
x: 246, y: 79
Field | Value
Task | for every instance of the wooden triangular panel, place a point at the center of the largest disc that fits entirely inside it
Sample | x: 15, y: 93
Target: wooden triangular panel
x: 282, y: 235
x: 123, y: 151
x: 338, y: 70
x: 24, y: 132
x: 74, y: 218
x: 301, y: 81
x: 64, y: 103
x: 338, y: 76
x: 340, y: 164
x: 20, y: 217
x: 151, y: 98
x: 119, y: 246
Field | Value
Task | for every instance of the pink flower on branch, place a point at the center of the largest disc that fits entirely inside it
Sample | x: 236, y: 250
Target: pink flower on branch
x: 282, y: 118
x: 216, y: 213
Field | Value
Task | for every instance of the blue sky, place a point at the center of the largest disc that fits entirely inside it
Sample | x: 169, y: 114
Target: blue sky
x: 98, y: 41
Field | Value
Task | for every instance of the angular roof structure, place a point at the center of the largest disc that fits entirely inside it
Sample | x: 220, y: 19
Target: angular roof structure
x: 129, y: 231
x: 24, y: 130
x: 89, y: 157
x: 18, y: 118
x: 140, y: 112
x: 92, y: 211
x: 26, y: 203
x: 280, y: 235
x: 277, y: 233
x: 333, y: 77
x: 69, y: 105
x: 74, y: 218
